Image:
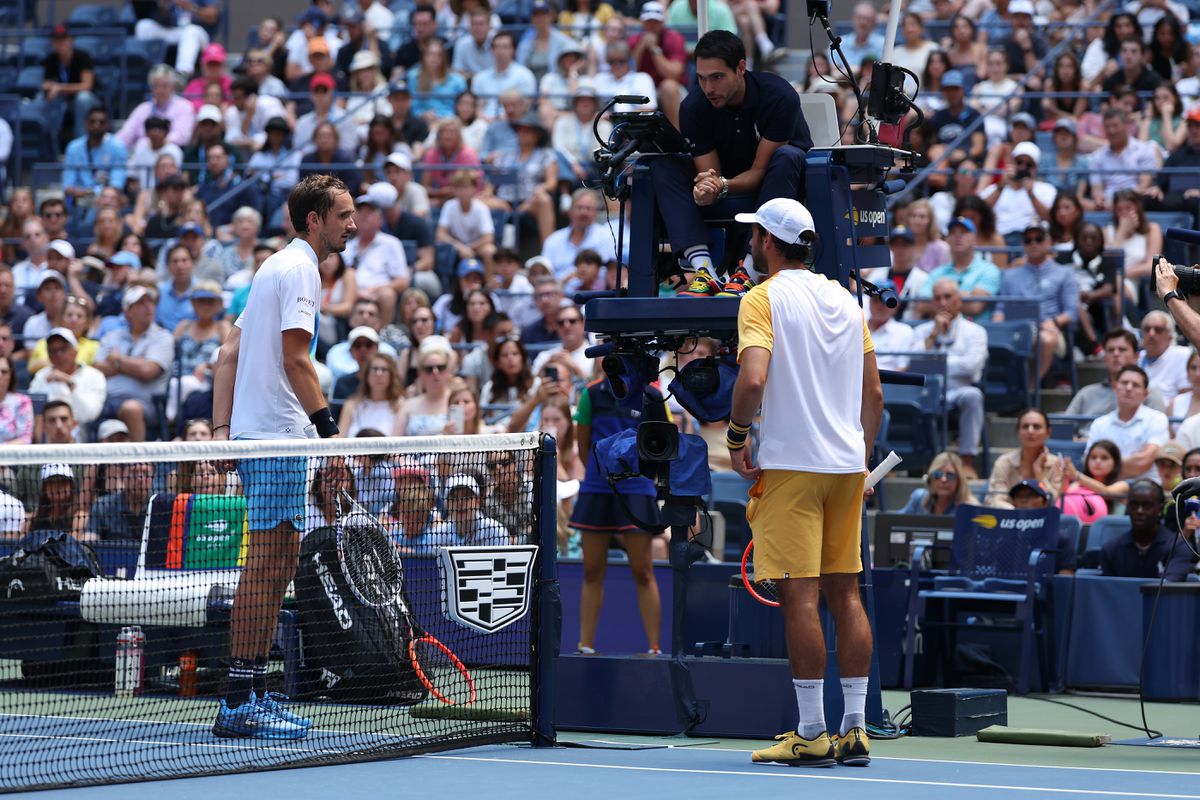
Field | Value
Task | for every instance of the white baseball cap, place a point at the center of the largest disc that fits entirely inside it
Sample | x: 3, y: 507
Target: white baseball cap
x: 400, y: 160
x: 381, y: 195
x: 135, y: 294
x: 363, y: 332
x: 1029, y: 150
x: 784, y: 218
x: 56, y: 471
x: 111, y: 427
x: 1021, y: 7
x: 460, y: 481
x: 63, y: 248
x: 209, y: 113
x: 64, y: 333
x: 652, y: 10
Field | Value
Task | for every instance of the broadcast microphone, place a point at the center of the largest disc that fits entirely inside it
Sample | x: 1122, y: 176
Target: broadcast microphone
x: 1182, y: 235
x: 600, y: 350
x: 639, y: 100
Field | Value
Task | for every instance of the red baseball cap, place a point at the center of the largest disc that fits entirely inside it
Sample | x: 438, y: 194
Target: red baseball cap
x: 322, y: 79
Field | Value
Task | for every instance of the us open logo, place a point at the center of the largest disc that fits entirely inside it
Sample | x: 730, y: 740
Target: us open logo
x: 487, y: 588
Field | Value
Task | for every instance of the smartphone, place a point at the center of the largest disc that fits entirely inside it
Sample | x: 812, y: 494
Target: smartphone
x: 551, y: 373
x: 458, y: 420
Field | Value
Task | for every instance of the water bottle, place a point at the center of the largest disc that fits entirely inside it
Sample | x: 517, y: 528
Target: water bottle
x: 131, y: 644
x: 187, y: 673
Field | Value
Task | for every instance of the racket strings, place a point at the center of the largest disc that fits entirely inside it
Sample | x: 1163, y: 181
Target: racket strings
x: 440, y: 670
x: 372, y: 565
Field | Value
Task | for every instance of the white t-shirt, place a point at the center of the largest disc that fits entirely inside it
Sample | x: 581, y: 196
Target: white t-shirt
x: 1167, y: 373
x: 285, y: 295
x: 466, y: 226
x: 578, y: 355
x: 637, y: 83
x: 144, y: 157
x: 894, y: 337
x: 1014, y: 210
x: 815, y: 332
x: 1146, y: 426
x: 380, y: 263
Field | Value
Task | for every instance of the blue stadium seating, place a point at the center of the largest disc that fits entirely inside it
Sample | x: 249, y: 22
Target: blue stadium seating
x: 29, y: 81
x: 93, y: 15
x: 1007, y: 385
x: 916, y: 421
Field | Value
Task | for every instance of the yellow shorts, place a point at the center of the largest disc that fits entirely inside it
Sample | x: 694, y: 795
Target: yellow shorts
x: 806, y: 524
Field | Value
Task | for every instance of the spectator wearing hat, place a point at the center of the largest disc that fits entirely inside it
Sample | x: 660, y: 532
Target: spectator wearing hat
x: 950, y: 122
x: 972, y: 273
x: 572, y: 132
x: 413, y: 196
x: 541, y: 43
x: 448, y: 310
x: 165, y: 104
x: 558, y: 85
x: 61, y: 259
x: 94, y: 160
x: 137, y: 361
x: 506, y: 74
x: 1053, y: 285
x: 51, y: 297
x: 222, y: 183
x: 1169, y: 463
x: 622, y: 79
x: 465, y: 222
x: 1032, y: 494
x: 349, y: 356
x: 197, y: 340
x: 473, y: 52
x: 410, y: 127
x: 1025, y: 47
x: 907, y: 280
x: 893, y: 339
x: 146, y: 153
x: 69, y: 77
x: 61, y: 501
x: 75, y: 317
x: 67, y: 378
x: 536, y: 169
x: 1174, y: 189
x: 661, y: 53
x: 320, y: 56
x: 363, y: 36
x: 423, y: 24
x: 1135, y: 72
x: 112, y: 431
x: 321, y: 89
x: 465, y: 522
x: 276, y: 167
x: 189, y: 26
x: 248, y: 113
x: 120, y: 267
x: 377, y: 256
x: 582, y: 232
x: 1071, y: 166
x: 210, y: 132
x: 1136, y: 159
x: 1021, y: 200
x: 313, y: 24
x: 213, y: 71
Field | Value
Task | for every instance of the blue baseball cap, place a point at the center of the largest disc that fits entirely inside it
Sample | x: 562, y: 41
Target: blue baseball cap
x: 191, y: 227
x: 953, y: 78
x: 314, y: 15
x: 901, y: 232
x: 962, y: 222
x: 124, y: 258
x: 470, y: 265
x: 1035, y: 486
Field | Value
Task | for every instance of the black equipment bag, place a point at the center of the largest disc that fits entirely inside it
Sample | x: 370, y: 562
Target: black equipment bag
x: 352, y: 653
x: 47, y: 565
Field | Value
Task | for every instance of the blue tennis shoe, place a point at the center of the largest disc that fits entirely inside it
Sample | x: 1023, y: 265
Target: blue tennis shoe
x: 273, y: 703
x: 251, y: 720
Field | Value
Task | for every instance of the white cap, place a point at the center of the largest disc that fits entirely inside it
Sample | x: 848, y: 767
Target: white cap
x: 545, y: 262
x: 363, y: 332
x: 460, y: 481
x: 65, y: 333
x: 135, y: 294
x: 51, y: 275
x: 381, y: 195
x: 110, y: 427
x: 400, y: 159
x: 1020, y: 7
x: 56, y: 471
x: 209, y: 113
x: 652, y: 10
x: 364, y: 59
x: 1029, y: 150
x: 63, y: 248
x: 784, y: 218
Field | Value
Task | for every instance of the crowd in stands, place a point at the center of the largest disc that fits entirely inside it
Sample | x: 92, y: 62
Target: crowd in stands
x: 465, y: 140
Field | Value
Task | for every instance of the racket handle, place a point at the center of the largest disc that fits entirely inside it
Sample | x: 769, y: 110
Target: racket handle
x: 884, y: 467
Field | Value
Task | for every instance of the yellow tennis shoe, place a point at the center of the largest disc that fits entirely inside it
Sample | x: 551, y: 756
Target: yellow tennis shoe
x: 853, y: 749
x: 794, y: 750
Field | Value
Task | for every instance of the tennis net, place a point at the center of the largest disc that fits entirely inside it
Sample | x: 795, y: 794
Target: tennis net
x: 136, y: 578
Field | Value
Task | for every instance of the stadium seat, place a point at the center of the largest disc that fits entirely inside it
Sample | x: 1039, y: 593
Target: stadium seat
x: 916, y: 419
x: 1100, y: 532
x: 104, y: 50
x: 29, y: 82
x: 34, y: 50
x: 109, y: 89
x: 93, y: 16
x: 1068, y: 448
x: 1006, y: 378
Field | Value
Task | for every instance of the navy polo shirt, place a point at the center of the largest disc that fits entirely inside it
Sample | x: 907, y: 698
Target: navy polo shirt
x: 950, y: 125
x: 1121, y: 558
x: 770, y: 110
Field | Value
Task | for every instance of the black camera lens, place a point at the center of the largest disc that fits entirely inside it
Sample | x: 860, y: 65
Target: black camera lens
x: 658, y: 441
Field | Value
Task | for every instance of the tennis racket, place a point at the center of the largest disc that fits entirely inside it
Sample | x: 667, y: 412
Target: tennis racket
x: 762, y: 591
x: 372, y: 568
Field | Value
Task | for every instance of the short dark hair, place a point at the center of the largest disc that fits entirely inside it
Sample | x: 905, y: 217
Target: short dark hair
x: 506, y: 254
x: 50, y: 202
x: 512, y: 38
x: 244, y: 83
x: 795, y: 251
x: 53, y: 404
x: 1134, y: 40
x: 588, y: 256
x: 424, y: 8
x: 1116, y: 113
x: 1138, y: 370
x: 1121, y: 333
x: 314, y: 193
x: 723, y: 45
x: 495, y: 318
x: 1144, y: 484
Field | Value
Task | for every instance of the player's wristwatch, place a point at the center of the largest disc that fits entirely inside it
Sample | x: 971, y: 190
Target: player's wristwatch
x: 1173, y: 295
x: 721, y: 195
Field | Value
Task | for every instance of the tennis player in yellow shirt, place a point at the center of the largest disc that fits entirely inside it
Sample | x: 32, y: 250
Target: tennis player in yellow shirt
x: 807, y: 360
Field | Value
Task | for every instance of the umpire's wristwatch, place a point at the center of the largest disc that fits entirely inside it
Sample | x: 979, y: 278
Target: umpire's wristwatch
x: 1173, y: 295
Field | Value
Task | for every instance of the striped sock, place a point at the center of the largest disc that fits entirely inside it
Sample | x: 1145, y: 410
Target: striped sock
x: 260, y: 676
x: 699, y: 257
x: 241, y: 681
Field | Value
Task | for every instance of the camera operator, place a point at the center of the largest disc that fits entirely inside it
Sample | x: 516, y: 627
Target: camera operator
x: 1181, y: 307
x: 1022, y: 200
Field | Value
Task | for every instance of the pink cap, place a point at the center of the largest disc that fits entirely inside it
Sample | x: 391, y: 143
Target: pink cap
x: 213, y: 54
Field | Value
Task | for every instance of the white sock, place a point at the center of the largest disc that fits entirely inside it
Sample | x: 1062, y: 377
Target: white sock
x: 699, y: 258
x: 810, y: 699
x: 765, y: 45
x: 854, y: 695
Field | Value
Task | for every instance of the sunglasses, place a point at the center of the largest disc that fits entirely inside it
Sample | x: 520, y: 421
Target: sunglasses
x: 499, y: 464
x: 569, y: 321
x: 1034, y: 239
x: 429, y: 369
x: 362, y: 344
x: 944, y: 474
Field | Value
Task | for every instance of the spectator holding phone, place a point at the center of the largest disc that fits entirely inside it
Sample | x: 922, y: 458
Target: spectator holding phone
x: 571, y: 356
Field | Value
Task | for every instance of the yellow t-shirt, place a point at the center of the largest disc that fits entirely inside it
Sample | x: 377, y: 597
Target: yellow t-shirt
x: 87, y: 353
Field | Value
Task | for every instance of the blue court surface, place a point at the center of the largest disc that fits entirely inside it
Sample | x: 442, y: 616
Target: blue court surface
x: 508, y: 771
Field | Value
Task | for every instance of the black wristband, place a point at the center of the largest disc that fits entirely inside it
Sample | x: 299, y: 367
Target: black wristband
x: 1173, y: 295
x: 324, y: 422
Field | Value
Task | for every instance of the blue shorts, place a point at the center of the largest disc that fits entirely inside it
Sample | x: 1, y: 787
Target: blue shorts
x: 597, y: 512
x: 275, y: 490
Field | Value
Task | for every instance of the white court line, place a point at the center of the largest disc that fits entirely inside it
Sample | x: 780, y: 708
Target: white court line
x: 157, y: 743
x: 195, y: 724
x: 814, y: 775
